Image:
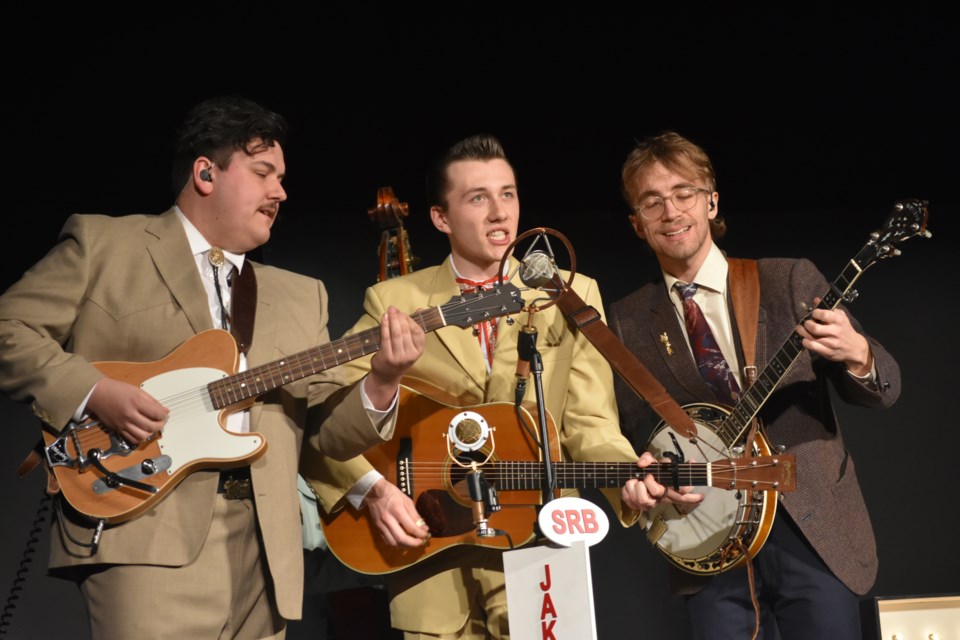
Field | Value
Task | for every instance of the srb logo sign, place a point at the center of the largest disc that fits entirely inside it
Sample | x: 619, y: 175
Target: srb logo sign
x: 569, y: 520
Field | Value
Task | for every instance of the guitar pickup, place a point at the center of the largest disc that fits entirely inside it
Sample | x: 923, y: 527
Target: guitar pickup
x: 135, y: 473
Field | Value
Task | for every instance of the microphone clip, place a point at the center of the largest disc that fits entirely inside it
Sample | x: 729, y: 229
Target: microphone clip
x: 484, y: 497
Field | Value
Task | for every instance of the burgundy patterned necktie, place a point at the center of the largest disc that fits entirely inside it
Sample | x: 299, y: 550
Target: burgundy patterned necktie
x: 713, y: 366
x: 485, y: 331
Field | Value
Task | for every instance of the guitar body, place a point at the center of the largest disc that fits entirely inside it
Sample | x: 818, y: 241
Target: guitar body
x: 193, y: 438
x: 106, y: 479
x: 437, y: 486
x: 704, y: 539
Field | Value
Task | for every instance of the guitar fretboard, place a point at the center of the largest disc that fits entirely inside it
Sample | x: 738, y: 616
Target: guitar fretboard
x: 909, y: 219
x: 464, y: 311
x: 734, y: 426
x: 528, y: 476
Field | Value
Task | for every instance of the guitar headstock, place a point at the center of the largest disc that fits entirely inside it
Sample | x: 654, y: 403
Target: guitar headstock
x: 764, y: 473
x: 907, y: 220
x: 469, y: 309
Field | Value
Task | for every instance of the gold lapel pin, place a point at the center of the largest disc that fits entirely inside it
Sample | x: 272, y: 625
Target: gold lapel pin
x: 666, y: 343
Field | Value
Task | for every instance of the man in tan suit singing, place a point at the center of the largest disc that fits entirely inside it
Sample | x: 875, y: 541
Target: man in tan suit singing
x: 219, y: 556
x: 459, y: 592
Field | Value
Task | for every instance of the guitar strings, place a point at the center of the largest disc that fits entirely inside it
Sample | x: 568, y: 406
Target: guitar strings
x: 92, y: 433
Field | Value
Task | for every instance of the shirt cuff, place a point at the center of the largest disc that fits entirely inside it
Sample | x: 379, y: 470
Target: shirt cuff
x: 362, y: 487
x: 376, y: 414
x: 869, y: 379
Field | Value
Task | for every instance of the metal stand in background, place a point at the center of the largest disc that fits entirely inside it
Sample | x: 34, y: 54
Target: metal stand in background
x: 528, y: 353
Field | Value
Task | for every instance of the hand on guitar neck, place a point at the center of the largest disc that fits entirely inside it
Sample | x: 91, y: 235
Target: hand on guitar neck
x: 643, y: 495
x: 828, y: 333
x: 401, y: 343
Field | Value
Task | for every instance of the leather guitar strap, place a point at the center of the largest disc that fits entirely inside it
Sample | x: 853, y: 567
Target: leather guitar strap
x: 587, y: 319
x: 745, y: 292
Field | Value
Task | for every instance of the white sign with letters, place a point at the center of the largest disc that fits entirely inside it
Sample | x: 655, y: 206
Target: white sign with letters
x: 550, y: 593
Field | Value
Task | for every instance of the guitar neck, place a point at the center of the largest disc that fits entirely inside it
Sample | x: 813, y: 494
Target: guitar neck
x: 734, y: 426
x: 528, y: 476
x: 264, y: 378
x: 770, y: 472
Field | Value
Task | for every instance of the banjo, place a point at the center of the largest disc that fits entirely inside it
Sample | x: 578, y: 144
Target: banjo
x: 729, y: 527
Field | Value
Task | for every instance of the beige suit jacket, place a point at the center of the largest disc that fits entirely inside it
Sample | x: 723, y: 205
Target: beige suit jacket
x: 578, y: 389
x: 127, y: 289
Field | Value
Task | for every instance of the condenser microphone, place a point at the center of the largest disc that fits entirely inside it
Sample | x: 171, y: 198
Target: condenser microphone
x: 537, y: 269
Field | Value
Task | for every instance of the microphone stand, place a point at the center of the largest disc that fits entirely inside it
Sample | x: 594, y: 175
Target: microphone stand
x: 527, y: 349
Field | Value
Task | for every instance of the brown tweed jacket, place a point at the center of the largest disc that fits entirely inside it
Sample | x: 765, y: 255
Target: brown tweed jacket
x: 828, y: 505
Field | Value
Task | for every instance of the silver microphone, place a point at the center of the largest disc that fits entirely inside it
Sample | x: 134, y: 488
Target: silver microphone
x: 537, y: 269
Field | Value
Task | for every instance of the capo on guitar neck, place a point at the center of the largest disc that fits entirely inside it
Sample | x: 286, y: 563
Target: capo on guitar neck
x: 676, y: 459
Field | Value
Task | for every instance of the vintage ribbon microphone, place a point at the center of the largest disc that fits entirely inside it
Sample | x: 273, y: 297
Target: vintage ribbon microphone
x: 537, y: 270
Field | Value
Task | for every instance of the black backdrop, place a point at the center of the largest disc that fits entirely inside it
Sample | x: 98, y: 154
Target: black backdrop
x: 817, y: 123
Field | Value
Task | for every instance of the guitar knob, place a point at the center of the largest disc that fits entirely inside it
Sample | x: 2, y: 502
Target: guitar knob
x: 148, y: 467
x: 781, y: 448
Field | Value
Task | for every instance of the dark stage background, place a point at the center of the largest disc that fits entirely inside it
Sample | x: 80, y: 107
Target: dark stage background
x: 817, y: 122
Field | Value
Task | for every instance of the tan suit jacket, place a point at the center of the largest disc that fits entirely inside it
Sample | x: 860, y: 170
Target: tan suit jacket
x: 127, y: 289
x: 578, y: 388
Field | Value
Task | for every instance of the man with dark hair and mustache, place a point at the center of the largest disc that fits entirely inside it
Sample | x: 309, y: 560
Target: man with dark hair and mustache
x: 220, y: 555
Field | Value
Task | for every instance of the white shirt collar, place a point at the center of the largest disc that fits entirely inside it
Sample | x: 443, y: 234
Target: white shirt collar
x: 199, y: 244
x: 712, y: 274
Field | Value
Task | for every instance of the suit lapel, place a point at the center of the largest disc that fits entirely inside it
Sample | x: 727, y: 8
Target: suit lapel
x: 461, y: 342
x: 170, y: 252
x: 668, y: 336
x: 262, y: 348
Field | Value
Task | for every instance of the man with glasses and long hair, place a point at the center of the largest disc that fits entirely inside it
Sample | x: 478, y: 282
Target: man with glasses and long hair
x: 820, y: 553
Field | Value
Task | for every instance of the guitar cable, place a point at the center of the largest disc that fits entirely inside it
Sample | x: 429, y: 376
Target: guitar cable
x: 21, y: 575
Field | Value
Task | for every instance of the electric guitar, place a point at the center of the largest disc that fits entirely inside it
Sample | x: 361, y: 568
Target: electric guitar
x: 712, y: 536
x: 423, y: 464
x: 106, y: 479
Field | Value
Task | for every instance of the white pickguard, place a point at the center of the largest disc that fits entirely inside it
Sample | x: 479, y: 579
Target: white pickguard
x: 193, y: 431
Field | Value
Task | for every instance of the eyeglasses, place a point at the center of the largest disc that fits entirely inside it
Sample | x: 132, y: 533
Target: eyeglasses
x: 652, y: 206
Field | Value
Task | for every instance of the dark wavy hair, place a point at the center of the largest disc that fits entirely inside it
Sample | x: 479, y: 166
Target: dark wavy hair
x: 217, y: 127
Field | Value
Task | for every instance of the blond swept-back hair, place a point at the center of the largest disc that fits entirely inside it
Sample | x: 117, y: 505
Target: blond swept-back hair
x: 677, y: 154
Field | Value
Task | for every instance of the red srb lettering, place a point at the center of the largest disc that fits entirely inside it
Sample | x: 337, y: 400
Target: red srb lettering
x: 573, y: 521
